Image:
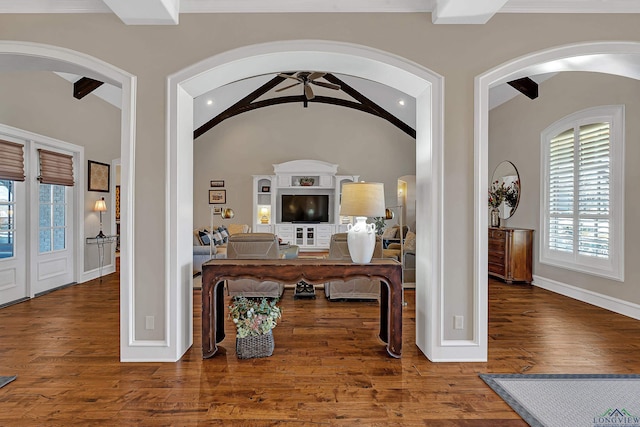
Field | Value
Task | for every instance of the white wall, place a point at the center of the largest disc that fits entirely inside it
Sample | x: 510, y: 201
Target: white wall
x: 514, y: 135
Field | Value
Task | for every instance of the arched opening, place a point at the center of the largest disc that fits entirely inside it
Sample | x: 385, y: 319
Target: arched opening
x: 615, y: 58
x: 354, y: 60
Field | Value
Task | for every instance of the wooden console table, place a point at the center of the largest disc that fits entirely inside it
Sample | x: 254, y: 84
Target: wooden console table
x: 291, y: 271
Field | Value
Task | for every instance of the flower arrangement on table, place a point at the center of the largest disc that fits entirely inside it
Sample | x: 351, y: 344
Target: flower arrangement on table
x: 253, y: 317
x: 499, y: 193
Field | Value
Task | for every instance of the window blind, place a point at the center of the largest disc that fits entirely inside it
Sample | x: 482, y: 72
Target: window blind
x: 12, y: 165
x: 55, y: 168
x: 561, y: 192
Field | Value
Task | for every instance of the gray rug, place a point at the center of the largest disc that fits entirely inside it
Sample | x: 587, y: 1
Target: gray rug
x: 6, y: 380
x: 571, y: 400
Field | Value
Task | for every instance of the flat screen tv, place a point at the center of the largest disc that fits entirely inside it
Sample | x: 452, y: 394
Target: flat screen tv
x: 305, y: 208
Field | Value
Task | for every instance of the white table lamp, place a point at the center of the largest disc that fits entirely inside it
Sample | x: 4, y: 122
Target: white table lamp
x: 362, y: 200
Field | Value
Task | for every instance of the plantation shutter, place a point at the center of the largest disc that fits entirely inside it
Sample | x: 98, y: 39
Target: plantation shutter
x: 593, y: 192
x: 12, y: 165
x: 561, y: 192
x: 55, y: 168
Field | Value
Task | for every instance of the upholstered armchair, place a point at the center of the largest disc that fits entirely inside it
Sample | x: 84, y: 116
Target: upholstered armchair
x: 360, y: 288
x: 408, y: 256
x: 255, y: 246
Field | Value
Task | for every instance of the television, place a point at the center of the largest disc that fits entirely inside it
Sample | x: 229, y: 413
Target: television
x: 305, y: 208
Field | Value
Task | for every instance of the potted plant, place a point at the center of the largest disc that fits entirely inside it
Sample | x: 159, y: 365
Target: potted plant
x: 254, y: 320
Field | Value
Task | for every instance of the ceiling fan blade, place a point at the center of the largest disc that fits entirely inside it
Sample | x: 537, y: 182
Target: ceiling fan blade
x: 315, y: 75
x: 308, y: 92
x: 287, y: 76
x: 287, y: 87
x: 327, y: 85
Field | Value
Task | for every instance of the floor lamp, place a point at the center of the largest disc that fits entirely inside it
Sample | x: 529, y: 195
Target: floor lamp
x: 225, y: 213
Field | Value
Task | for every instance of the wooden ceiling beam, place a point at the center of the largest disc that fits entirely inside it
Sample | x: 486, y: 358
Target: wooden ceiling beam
x: 85, y: 86
x: 526, y: 86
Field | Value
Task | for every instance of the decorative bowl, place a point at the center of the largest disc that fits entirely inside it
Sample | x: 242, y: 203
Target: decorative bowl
x: 307, y: 181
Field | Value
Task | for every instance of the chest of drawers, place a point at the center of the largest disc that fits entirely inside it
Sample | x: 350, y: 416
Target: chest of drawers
x: 511, y: 254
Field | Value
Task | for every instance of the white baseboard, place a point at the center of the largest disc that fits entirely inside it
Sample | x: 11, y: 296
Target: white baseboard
x: 607, y: 302
x: 95, y: 273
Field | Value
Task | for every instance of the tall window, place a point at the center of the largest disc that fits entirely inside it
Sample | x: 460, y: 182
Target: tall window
x: 582, y: 217
x: 52, y: 218
x: 7, y: 222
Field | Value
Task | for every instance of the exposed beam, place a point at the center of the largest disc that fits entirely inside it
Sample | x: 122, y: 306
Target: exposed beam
x: 465, y: 11
x: 85, y: 86
x: 146, y: 12
x: 525, y: 85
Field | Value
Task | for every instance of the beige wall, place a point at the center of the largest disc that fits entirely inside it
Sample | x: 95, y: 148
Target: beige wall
x: 514, y: 135
x: 458, y: 52
x: 250, y: 144
x: 42, y: 102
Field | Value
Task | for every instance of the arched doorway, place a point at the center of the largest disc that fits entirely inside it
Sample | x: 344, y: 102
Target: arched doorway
x: 616, y: 58
x: 343, y: 58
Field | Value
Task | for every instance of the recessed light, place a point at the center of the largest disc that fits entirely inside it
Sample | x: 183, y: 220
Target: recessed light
x: 210, y: 102
x: 401, y: 102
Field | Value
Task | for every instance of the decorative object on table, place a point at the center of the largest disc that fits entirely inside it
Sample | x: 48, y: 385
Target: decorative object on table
x: 98, y: 177
x: 307, y: 181
x: 304, y: 290
x: 265, y: 189
x: 254, y: 320
x: 217, y: 197
x: 216, y: 183
x: 496, y: 197
x: 100, y: 206
x: 264, y: 211
x: 362, y: 200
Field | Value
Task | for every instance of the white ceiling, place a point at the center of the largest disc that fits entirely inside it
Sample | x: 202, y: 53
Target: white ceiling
x: 163, y: 12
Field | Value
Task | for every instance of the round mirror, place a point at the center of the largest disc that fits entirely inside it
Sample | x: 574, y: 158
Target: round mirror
x: 505, y: 185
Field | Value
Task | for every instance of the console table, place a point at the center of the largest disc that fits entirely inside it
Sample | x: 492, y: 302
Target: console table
x: 290, y: 271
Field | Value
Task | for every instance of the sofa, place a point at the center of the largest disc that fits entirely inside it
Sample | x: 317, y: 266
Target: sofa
x: 256, y: 246
x: 208, y: 245
x: 408, y: 256
x: 360, y: 288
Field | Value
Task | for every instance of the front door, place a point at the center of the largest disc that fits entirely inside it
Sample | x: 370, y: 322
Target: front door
x: 13, y: 239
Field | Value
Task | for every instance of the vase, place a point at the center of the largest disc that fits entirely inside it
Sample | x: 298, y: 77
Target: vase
x: 255, y: 346
x: 494, y: 219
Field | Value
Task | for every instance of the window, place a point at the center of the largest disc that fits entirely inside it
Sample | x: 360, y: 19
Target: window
x: 583, y: 194
x: 52, y: 218
x: 7, y: 221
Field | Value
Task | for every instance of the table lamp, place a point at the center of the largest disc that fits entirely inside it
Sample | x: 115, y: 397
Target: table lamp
x: 362, y: 200
x: 100, y: 206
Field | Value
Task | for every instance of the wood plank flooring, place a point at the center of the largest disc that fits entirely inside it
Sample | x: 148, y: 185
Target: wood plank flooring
x: 328, y: 368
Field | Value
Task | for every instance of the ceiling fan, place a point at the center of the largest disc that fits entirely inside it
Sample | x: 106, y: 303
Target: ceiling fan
x: 307, y: 78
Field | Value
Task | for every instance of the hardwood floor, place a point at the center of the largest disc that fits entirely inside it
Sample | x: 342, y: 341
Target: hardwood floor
x: 328, y: 367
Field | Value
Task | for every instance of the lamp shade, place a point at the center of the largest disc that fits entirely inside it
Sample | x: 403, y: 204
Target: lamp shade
x: 362, y: 199
x: 100, y: 206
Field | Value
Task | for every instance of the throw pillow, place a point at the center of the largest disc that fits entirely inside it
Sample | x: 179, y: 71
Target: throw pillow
x: 204, y: 238
x: 217, y: 238
x: 224, y: 232
x: 410, y: 241
x: 390, y: 233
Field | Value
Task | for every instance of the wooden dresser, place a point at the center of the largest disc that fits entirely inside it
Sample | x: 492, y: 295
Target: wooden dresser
x: 511, y: 254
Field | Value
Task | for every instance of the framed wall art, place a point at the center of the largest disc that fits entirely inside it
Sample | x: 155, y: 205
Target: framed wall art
x: 117, y: 203
x: 216, y: 183
x: 217, y: 210
x: 217, y: 197
x: 98, y: 176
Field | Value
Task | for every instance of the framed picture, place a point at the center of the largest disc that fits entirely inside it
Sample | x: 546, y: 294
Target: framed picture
x: 265, y: 189
x: 217, y: 197
x: 217, y: 183
x: 217, y: 210
x: 98, y: 176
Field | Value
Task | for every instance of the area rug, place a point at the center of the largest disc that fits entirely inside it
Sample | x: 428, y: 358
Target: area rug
x: 571, y: 400
x: 6, y: 380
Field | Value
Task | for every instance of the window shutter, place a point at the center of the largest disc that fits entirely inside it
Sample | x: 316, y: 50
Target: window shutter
x: 12, y: 165
x: 593, y: 193
x: 55, y: 168
x: 561, y: 191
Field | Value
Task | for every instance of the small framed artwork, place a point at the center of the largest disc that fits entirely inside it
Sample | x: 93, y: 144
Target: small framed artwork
x: 265, y: 189
x: 217, y: 210
x: 117, y: 203
x: 217, y: 183
x: 98, y: 176
x: 217, y: 197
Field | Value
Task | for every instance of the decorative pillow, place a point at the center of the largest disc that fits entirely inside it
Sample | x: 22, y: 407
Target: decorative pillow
x: 237, y: 228
x: 390, y: 233
x: 217, y: 238
x: 224, y: 233
x: 204, y: 238
x: 410, y: 241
